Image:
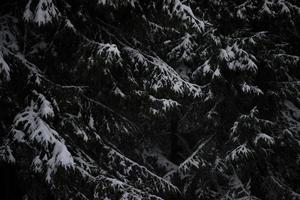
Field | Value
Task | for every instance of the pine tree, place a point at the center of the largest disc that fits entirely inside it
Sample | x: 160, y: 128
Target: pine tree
x: 133, y: 99
x: 235, y: 156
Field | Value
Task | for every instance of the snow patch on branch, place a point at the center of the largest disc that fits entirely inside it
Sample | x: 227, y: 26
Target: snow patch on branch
x: 165, y: 104
x: 30, y: 127
x: 195, y: 160
x: 240, y: 152
x: 161, y: 75
x: 6, y: 153
x: 118, y: 3
x: 204, y: 70
x: 119, y: 187
x: 176, y: 9
x: 109, y: 52
x: 4, y: 68
x: 137, y: 173
x: 184, y: 50
x: 265, y: 138
x: 44, y: 13
x: 238, y: 59
x: 250, y: 89
x: 8, y: 43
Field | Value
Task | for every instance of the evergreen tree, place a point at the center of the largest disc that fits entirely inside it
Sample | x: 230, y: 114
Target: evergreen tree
x: 161, y: 99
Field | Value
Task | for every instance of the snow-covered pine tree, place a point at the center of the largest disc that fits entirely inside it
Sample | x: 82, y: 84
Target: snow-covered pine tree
x: 160, y: 99
x: 69, y: 75
x: 242, y: 69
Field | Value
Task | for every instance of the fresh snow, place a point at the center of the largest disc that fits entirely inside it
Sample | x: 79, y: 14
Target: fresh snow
x: 162, y: 75
x: 4, y: 68
x: 176, y: 9
x: 240, y: 152
x: 45, y: 12
x: 37, y: 130
x: 265, y: 138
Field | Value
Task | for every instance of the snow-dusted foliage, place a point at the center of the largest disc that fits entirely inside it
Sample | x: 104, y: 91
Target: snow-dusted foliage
x: 161, y: 99
x: 232, y: 60
x: 68, y: 125
x: 282, y: 7
x: 161, y: 106
x: 176, y: 9
x: 108, y: 52
x: 251, y: 89
x: 184, y: 50
x: 247, y: 134
x: 45, y: 12
x: 239, y: 189
x: 196, y: 159
x: 7, y: 44
x: 119, y: 188
x: 161, y: 75
x: 231, y: 66
x: 31, y: 128
x: 237, y: 59
x: 4, y: 70
x: 118, y: 3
